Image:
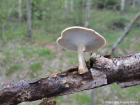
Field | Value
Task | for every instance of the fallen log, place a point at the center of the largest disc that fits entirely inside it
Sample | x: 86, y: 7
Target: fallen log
x: 125, y: 71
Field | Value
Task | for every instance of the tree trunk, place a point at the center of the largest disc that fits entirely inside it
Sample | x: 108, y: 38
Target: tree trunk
x: 20, y: 10
x: 122, y: 6
x: 80, y: 12
x: 28, y: 19
x: 138, y: 2
x: 126, y: 31
x: 87, y: 14
x: 92, y: 97
x: 66, y: 8
x: 71, y: 9
x: 134, y: 3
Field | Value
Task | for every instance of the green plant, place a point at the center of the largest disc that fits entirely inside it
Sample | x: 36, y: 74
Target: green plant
x: 118, y: 23
x: 12, y: 69
x: 36, y: 66
x: 34, y: 69
x: 106, y: 4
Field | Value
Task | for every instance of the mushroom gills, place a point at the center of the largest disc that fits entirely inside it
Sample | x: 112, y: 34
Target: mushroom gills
x: 81, y: 58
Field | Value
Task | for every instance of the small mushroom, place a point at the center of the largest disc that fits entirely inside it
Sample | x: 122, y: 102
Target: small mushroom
x: 80, y: 39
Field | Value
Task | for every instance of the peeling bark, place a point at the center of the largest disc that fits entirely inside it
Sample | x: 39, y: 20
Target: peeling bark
x: 125, y: 71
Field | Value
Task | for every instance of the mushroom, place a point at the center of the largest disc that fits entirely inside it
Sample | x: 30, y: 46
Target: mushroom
x: 80, y: 40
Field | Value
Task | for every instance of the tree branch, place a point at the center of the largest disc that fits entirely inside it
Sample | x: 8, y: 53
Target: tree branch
x: 126, y: 31
x: 124, y: 71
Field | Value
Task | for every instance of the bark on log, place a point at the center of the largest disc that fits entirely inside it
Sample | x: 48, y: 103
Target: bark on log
x: 125, y: 71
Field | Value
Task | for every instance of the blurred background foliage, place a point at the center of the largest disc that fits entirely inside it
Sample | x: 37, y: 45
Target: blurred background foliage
x: 41, y: 56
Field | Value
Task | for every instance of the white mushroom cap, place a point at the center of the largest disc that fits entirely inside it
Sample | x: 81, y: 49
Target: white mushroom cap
x: 70, y: 37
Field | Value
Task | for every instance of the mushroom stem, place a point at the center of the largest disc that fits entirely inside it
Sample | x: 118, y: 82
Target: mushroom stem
x: 81, y: 59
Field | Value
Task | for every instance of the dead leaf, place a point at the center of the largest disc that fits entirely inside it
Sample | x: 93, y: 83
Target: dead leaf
x: 46, y: 102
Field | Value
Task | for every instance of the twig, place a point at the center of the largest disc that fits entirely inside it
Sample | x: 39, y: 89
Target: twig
x: 126, y: 31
